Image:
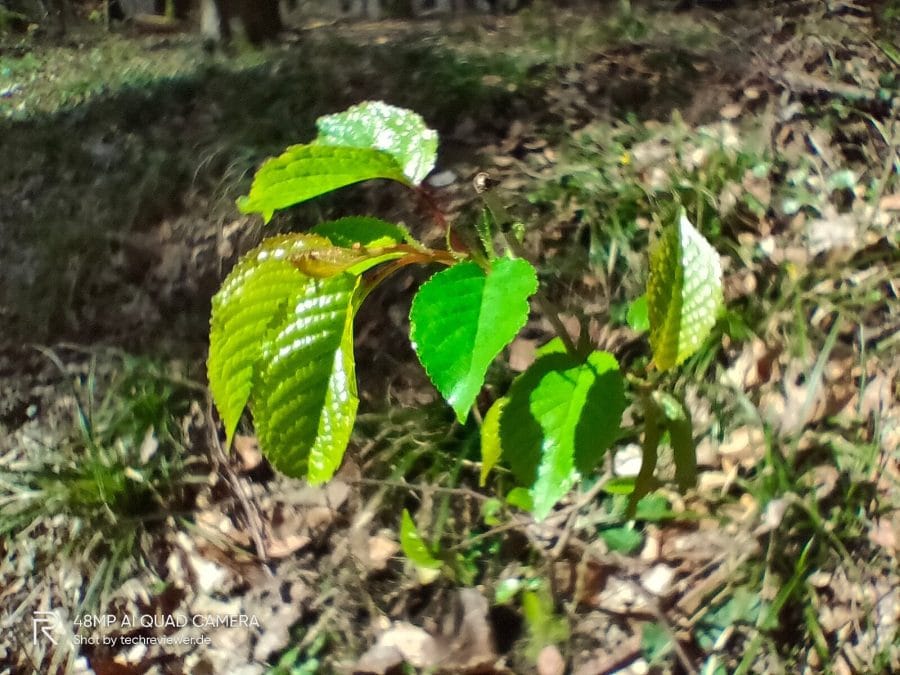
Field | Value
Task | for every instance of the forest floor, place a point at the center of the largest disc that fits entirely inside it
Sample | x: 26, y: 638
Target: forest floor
x: 775, y: 124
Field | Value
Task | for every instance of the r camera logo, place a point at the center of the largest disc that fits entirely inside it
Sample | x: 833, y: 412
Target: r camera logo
x: 45, y: 624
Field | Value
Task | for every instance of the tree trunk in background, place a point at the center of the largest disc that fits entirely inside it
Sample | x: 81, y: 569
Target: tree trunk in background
x: 259, y: 19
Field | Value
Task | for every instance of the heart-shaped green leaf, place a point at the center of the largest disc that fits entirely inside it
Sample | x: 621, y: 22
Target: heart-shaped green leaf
x: 562, y: 415
x: 400, y: 133
x: 305, y: 171
x: 684, y: 293
x: 462, y: 318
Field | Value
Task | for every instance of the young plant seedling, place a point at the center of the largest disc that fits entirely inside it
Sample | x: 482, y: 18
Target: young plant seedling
x: 282, y: 323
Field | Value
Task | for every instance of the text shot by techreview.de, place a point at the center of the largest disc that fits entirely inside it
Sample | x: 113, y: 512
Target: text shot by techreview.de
x: 128, y: 630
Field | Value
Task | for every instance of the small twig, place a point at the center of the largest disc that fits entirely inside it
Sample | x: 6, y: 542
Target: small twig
x: 814, y: 85
x: 625, y: 653
x: 401, y: 485
x: 890, y: 159
x: 662, y: 619
x: 413, y: 257
x: 569, y: 526
x: 254, y: 522
x: 514, y: 524
x: 431, y: 206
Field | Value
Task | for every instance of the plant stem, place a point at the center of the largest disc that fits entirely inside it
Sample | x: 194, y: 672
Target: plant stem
x: 414, y: 257
x: 431, y: 206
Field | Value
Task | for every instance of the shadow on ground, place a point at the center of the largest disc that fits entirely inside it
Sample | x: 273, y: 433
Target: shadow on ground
x: 96, y: 196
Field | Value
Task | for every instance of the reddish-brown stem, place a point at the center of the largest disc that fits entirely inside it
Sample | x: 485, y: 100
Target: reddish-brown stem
x: 413, y: 257
x: 431, y: 207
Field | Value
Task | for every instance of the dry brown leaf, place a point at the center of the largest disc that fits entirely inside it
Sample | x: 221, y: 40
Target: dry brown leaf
x: 620, y: 595
x: 318, y: 518
x: 379, y: 660
x: 380, y: 550
x: 759, y: 187
x: 281, y: 548
x: 468, y: 635
x: 756, y: 364
x: 877, y: 398
x: 149, y: 446
x: 214, y: 524
x: 731, y: 111
x: 248, y: 452
x: 890, y: 202
x: 833, y: 231
x: 885, y: 532
x: 658, y: 579
x: 772, y: 516
x: 415, y: 645
x: 823, y: 479
x: 799, y: 403
x: 550, y: 661
x: 591, y: 580
x: 744, y: 446
x: 521, y: 354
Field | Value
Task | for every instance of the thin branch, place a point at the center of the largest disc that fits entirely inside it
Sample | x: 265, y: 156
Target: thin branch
x: 253, y: 520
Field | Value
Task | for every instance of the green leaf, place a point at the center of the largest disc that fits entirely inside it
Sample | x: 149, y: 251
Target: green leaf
x: 491, y: 510
x: 507, y: 589
x: 490, y: 438
x: 656, y: 643
x: 654, y: 509
x: 562, y: 416
x: 462, y: 318
x: 521, y: 499
x: 842, y: 180
x: 284, y: 342
x: 362, y: 231
x: 637, y: 317
x: 622, y: 485
x: 415, y: 549
x: 305, y: 171
x: 742, y: 606
x: 623, y: 539
x: 249, y: 307
x: 544, y: 626
x: 684, y: 293
x: 398, y: 132
x: 304, y: 403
